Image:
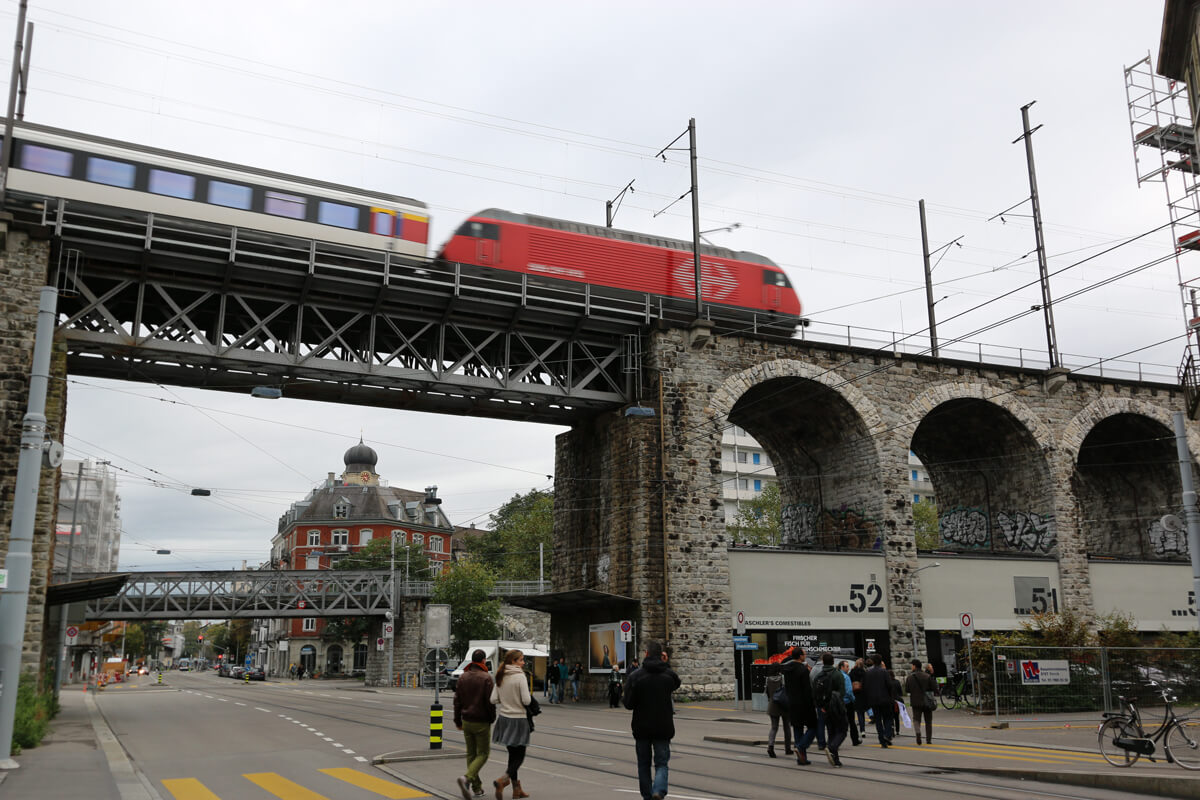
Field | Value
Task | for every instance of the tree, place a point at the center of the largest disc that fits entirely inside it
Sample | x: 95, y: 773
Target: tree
x: 759, y: 521
x: 522, y: 531
x: 154, y: 630
x: 466, y: 587
x: 925, y: 526
x: 135, y: 641
x: 378, y: 555
x: 191, y: 634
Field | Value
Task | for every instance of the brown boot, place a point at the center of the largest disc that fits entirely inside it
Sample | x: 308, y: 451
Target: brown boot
x: 518, y: 791
x: 500, y: 783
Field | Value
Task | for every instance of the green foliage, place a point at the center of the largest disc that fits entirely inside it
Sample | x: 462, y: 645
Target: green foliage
x: 33, y: 714
x: 154, y: 631
x: 759, y: 521
x: 135, y: 642
x: 510, y: 548
x: 346, y: 629
x: 466, y: 587
x: 1117, y: 629
x: 191, y: 633
x: 378, y: 555
x: 1167, y: 638
x: 925, y: 526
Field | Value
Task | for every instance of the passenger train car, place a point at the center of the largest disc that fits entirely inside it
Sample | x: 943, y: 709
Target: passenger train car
x: 62, y: 164
x: 623, y: 260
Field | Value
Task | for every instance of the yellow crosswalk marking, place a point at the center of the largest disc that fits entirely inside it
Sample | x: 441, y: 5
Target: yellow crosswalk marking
x: 281, y: 787
x: 188, y: 789
x: 379, y: 786
x: 976, y: 754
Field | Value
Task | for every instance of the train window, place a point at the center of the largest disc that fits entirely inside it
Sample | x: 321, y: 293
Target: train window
x: 231, y: 195
x: 479, y: 230
x: 383, y: 222
x: 342, y: 216
x: 113, y: 173
x: 285, y: 205
x: 44, y: 159
x: 772, y: 278
x: 172, y: 184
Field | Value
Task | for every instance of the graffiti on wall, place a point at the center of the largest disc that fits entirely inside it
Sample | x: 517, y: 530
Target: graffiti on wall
x: 1027, y: 532
x: 1019, y: 531
x: 805, y: 525
x: 965, y: 527
x: 1168, y: 543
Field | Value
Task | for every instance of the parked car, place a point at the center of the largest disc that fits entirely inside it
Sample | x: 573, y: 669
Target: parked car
x: 256, y: 673
x: 223, y: 670
x: 236, y: 672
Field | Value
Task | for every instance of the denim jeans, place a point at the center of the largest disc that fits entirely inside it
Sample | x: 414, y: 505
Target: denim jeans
x: 820, y: 729
x: 661, y: 749
x: 883, y: 721
x: 802, y: 738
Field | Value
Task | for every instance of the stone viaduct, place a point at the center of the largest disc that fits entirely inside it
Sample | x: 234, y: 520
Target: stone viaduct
x: 1023, y: 462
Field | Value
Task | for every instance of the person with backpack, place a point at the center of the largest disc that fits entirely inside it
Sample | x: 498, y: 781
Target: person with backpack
x: 801, y: 711
x: 776, y: 710
x: 851, y: 702
x: 813, y: 675
x: 922, y: 700
x: 829, y: 695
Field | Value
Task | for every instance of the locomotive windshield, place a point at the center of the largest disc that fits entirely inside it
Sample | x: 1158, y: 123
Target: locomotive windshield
x: 772, y: 278
x: 479, y: 230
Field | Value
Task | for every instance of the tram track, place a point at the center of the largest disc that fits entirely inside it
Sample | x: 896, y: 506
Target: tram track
x: 725, y: 762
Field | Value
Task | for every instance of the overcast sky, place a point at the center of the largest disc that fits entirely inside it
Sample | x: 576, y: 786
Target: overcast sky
x: 819, y: 125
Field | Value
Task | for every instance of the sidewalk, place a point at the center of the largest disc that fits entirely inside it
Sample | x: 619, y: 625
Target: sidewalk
x: 79, y: 756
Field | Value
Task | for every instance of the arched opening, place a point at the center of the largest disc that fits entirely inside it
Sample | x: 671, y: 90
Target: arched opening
x: 333, y: 659
x: 824, y: 460
x: 1126, y: 480
x: 308, y: 658
x: 989, y: 476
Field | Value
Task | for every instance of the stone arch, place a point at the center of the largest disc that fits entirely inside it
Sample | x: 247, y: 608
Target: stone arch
x: 987, y: 456
x: 817, y: 428
x: 1124, y: 473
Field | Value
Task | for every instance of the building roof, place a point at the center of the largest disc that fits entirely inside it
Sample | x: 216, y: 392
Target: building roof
x: 1176, y: 33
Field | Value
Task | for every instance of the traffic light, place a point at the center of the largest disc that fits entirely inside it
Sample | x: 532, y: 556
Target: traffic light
x: 220, y: 656
x: 199, y: 638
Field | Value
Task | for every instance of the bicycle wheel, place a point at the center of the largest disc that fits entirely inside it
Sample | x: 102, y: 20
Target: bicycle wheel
x: 1183, y: 743
x: 949, y: 698
x: 1109, y: 731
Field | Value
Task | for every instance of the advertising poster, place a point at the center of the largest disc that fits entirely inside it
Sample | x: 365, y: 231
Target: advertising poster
x: 1045, y: 673
x: 605, y: 647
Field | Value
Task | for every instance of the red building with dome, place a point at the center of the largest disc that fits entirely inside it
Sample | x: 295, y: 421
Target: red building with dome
x: 339, y: 517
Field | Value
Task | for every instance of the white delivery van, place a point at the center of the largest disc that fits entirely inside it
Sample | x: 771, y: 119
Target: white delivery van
x: 537, y: 656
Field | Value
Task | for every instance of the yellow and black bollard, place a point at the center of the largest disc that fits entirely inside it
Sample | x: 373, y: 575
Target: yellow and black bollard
x: 160, y: 677
x: 435, y: 726
x: 246, y: 676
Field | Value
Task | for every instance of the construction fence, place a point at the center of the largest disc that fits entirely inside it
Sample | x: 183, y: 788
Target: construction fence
x: 1030, y: 682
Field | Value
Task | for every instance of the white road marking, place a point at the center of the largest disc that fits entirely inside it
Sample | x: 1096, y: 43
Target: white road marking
x: 372, y: 701
x: 348, y: 752
x: 260, y: 708
x: 605, y: 730
x: 328, y: 738
x: 239, y: 704
x: 359, y: 758
x: 337, y: 744
x: 405, y: 705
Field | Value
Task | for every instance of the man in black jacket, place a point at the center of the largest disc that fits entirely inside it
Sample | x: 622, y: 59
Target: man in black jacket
x: 648, y: 694
x: 473, y: 715
x: 879, y: 699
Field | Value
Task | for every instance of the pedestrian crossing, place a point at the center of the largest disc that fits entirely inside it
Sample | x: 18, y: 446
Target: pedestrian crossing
x: 275, y: 785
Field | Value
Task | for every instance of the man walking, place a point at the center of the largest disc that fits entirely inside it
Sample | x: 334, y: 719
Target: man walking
x: 564, y: 675
x: 648, y: 694
x: 879, y: 699
x: 921, y: 700
x: 473, y: 715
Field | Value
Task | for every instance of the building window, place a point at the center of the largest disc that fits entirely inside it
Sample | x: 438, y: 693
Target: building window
x: 312, y: 562
x: 741, y: 457
x: 435, y: 544
x: 400, y: 537
x: 341, y: 537
x: 314, y: 538
x: 360, y: 656
x: 310, y: 624
x: 914, y: 477
x: 418, y: 538
x: 757, y: 457
x: 743, y: 483
x: 341, y: 511
x: 916, y: 498
x: 757, y: 485
x: 436, y: 567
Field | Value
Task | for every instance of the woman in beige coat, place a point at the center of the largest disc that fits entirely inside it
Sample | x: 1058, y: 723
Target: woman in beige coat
x: 511, y: 696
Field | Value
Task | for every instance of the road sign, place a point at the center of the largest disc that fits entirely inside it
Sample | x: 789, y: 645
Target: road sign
x: 72, y: 632
x: 626, y: 630
x: 437, y: 625
x: 739, y: 621
x: 745, y: 646
x: 379, y: 643
x: 966, y: 626
x: 740, y: 639
x: 247, y: 659
x: 389, y: 630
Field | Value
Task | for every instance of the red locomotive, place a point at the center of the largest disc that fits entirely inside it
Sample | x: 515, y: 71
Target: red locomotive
x: 623, y: 260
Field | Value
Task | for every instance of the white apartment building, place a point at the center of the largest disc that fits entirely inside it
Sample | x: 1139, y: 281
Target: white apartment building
x: 97, y: 518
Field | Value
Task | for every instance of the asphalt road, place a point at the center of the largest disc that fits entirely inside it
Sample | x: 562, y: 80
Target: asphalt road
x: 203, y: 737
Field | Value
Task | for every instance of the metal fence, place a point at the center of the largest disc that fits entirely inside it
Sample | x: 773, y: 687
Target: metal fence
x: 1030, y: 682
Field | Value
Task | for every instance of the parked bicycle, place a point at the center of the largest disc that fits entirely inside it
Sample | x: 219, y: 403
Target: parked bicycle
x: 1123, y: 739
x: 956, y: 691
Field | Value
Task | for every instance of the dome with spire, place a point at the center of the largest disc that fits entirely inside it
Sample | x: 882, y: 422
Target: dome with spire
x: 360, y: 458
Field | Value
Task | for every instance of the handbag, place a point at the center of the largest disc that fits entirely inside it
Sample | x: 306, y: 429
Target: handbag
x: 781, y: 697
x: 534, y: 708
x: 931, y: 702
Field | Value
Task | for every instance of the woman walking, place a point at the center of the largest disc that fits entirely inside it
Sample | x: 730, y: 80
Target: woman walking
x: 776, y: 712
x: 510, y: 697
x: 614, y: 687
x: 921, y: 700
x: 801, y: 711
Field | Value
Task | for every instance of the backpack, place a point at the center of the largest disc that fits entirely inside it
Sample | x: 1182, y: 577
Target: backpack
x: 823, y: 687
x: 780, y: 697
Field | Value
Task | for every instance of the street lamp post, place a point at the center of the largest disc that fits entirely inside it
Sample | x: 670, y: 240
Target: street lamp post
x: 391, y: 617
x: 912, y: 605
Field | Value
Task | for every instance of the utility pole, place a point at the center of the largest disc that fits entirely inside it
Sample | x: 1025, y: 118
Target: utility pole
x: 16, y: 84
x: 695, y: 219
x: 64, y: 660
x: 1047, y: 308
x: 1189, y: 506
x: 933, y: 340
x: 18, y: 563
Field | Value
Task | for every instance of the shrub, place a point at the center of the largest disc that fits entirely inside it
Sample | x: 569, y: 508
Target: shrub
x: 33, y: 714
